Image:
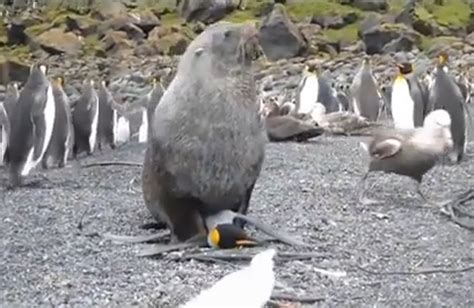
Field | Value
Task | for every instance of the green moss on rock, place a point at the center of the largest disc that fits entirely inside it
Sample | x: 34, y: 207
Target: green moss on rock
x: 347, y: 34
x: 307, y: 8
x: 428, y: 43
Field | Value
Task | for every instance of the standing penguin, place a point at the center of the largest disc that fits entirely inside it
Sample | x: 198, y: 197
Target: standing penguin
x: 366, y: 99
x: 327, y: 94
x: 307, y: 93
x: 465, y: 86
x: 148, y: 105
x: 107, y: 117
x: 85, y: 119
x: 6, y: 111
x: 62, y: 138
x: 4, y: 132
x: 407, y: 98
x: 122, y: 133
x: 445, y: 94
x: 11, y: 97
x: 31, y: 126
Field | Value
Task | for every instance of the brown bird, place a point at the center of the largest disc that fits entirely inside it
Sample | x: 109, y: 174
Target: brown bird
x: 409, y: 152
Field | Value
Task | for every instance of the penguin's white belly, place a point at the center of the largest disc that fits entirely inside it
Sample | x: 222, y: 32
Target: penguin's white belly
x: 49, y: 117
x: 95, y: 122
x: 403, y: 107
x: 309, y: 95
x: 123, y: 130
x: 143, y: 131
x: 4, y: 144
x: 114, y: 127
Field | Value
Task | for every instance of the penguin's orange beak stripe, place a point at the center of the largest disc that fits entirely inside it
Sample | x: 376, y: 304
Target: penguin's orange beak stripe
x: 245, y: 242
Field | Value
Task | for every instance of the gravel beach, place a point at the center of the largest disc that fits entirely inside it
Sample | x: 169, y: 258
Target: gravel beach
x: 307, y: 189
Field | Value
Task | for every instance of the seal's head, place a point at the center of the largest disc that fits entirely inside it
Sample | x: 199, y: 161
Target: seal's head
x: 223, y: 47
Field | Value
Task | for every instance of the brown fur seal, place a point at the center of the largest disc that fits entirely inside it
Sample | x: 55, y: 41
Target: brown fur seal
x: 288, y: 127
x: 208, y: 141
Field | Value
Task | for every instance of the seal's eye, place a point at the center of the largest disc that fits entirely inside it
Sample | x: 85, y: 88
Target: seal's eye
x: 227, y: 33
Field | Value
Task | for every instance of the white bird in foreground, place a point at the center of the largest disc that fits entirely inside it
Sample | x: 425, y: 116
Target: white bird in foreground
x: 249, y: 287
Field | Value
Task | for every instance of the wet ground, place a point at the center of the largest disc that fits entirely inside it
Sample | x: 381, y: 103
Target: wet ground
x: 304, y: 189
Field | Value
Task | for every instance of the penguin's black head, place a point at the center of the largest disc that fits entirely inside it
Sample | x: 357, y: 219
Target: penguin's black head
x: 227, y: 236
x: 366, y: 59
x: 405, y: 68
x: 312, y: 67
x: 155, y: 80
x: 105, y: 83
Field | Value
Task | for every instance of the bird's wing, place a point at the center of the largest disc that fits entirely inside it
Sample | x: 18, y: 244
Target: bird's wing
x: 385, y: 148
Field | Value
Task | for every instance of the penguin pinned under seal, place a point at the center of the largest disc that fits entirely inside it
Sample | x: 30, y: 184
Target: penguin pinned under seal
x: 407, y: 99
x: 107, y: 127
x: 307, y: 93
x: 366, y: 100
x: 62, y: 138
x: 31, y: 126
x: 227, y: 236
x: 85, y: 119
x: 445, y: 94
x: 148, y: 105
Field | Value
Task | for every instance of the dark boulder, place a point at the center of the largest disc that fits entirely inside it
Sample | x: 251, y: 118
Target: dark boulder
x: 389, y: 38
x: 145, y: 20
x: 206, y: 11
x: 56, y: 41
x: 11, y: 70
x: 16, y: 34
x: 80, y: 25
x: 279, y: 36
x: 371, y: 5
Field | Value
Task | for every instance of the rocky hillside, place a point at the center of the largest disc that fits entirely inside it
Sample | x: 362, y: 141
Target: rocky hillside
x: 104, y: 38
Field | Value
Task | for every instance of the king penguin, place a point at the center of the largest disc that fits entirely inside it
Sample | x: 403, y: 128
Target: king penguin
x: 148, y: 105
x: 6, y: 111
x: 62, y: 138
x: 407, y: 98
x: 85, y: 119
x: 327, y: 94
x: 31, y: 126
x: 307, y: 93
x: 106, y: 133
x: 366, y: 100
x: 11, y: 97
x: 4, y: 132
x: 445, y: 94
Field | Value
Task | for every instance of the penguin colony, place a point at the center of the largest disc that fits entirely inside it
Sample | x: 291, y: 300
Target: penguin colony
x: 39, y: 123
